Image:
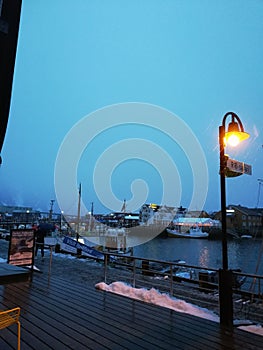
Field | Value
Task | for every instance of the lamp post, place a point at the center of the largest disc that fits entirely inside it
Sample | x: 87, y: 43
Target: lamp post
x: 27, y: 218
x: 232, y: 136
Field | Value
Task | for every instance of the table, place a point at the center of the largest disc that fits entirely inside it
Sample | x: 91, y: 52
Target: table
x: 11, y: 273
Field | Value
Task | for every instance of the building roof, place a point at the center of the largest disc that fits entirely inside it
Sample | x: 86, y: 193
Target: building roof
x: 247, y: 211
x: 195, y: 221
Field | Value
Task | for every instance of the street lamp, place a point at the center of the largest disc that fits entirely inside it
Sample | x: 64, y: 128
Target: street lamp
x: 27, y: 217
x: 234, y: 134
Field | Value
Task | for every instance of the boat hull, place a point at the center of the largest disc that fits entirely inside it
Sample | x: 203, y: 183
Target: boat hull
x: 177, y: 234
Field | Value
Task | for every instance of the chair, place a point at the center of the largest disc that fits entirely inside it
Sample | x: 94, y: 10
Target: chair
x: 9, y: 317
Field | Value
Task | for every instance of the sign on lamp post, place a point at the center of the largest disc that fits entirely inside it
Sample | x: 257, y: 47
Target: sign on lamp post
x: 238, y: 167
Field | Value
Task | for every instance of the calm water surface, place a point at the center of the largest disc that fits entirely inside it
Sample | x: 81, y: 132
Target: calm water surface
x: 243, y: 254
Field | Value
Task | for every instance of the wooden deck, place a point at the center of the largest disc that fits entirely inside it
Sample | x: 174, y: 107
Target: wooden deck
x: 56, y: 314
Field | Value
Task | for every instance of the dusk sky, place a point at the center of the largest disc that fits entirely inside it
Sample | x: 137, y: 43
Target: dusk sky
x: 126, y: 97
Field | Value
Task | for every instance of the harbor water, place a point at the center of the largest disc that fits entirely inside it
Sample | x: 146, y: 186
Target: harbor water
x: 244, y: 254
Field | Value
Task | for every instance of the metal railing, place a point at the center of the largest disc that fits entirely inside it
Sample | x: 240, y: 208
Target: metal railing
x: 160, y: 272
x: 167, y: 275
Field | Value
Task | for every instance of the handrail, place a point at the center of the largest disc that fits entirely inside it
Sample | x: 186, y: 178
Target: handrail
x: 136, y: 265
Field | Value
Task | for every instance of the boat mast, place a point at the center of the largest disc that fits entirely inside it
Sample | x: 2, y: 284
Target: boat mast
x: 91, y: 217
x: 123, y: 209
x: 78, y: 218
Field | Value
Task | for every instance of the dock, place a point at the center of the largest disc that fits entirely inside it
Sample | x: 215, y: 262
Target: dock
x: 58, y: 314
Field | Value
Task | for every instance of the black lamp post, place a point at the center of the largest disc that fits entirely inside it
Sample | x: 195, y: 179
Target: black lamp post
x: 233, y: 136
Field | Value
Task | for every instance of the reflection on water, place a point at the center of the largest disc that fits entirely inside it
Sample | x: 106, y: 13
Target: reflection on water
x: 243, y: 254
x: 204, y: 257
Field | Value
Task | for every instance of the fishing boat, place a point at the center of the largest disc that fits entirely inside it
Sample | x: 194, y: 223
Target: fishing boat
x: 246, y: 237
x: 192, y: 232
x: 190, y: 227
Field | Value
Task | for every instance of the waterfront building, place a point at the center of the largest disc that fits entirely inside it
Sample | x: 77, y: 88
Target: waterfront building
x: 117, y: 219
x: 151, y: 214
x: 243, y: 221
x: 18, y: 214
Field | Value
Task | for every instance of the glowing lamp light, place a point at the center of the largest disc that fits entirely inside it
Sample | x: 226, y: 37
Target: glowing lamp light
x: 235, y: 134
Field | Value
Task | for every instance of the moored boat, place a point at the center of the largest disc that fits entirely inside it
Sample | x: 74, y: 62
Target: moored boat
x: 193, y: 232
x: 246, y: 237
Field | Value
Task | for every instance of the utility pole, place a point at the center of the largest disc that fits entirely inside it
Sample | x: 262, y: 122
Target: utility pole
x: 92, y: 208
x: 260, y: 182
x: 51, y: 209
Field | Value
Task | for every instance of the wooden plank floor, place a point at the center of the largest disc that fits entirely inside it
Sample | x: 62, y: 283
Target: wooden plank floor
x: 56, y: 314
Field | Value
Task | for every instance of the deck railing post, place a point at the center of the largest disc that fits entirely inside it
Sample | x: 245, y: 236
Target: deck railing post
x: 226, y: 298
x: 134, y: 272
x: 105, y: 267
x: 171, y: 280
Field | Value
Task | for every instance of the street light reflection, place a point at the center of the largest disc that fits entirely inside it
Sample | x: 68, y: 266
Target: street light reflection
x: 204, y: 257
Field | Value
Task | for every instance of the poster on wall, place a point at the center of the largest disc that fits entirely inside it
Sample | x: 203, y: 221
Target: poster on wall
x: 21, y: 247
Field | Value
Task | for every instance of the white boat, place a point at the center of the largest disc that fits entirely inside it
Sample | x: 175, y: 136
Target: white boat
x: 114, y: 240
x: 179, y: 272
x: 193, y: 232
x: 246, y: 236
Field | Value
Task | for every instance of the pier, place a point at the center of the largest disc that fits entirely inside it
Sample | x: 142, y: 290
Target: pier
x: 59, y: 314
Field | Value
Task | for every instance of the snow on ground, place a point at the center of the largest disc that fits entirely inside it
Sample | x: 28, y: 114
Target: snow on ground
x: 153, y: 296
x: 258, y: 329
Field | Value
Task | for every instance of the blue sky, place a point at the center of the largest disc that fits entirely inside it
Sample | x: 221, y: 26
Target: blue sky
x: 197, y: 59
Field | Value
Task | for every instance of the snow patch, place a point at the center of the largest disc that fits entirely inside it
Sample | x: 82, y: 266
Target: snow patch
x: 153, y: 296
x: 257, y: 329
